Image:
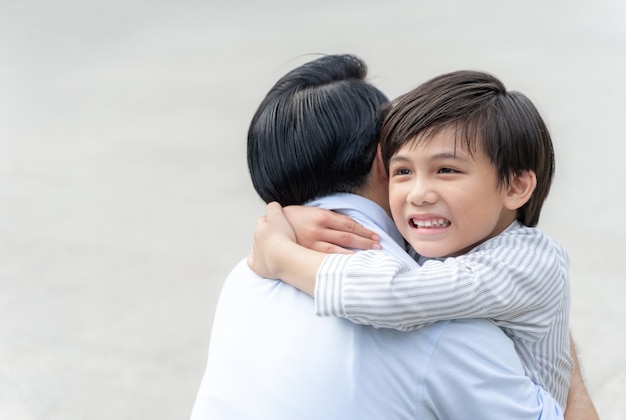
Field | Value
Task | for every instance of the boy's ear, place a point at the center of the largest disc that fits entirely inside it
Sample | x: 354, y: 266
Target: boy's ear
x: 520, y: 190
x: 380, y: 165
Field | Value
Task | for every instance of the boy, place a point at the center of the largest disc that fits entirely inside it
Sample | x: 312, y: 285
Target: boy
x: 469, y: 166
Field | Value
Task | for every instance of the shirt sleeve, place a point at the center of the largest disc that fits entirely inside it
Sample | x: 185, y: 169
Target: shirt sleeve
x: 474, y: 373
x: 519, y: 280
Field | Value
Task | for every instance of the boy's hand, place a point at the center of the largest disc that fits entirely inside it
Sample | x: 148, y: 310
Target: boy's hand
x: 272, y: 236
x: 329, y: 232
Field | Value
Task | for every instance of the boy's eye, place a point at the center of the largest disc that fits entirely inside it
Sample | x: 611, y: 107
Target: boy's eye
x: 447, y: 171
x: 402, y: 171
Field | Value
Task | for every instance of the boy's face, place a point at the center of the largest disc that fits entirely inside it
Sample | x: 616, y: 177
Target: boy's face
x: 443, y: 199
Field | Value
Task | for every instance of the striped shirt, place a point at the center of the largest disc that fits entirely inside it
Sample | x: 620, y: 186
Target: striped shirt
x: 518, y: 279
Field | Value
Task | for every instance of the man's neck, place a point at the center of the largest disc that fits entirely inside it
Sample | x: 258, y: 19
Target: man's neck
x: 376, y: 188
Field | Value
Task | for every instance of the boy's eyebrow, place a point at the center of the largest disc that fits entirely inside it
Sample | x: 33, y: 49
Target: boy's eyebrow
x: 438, y: 156
x: 397, y: 157
x: 450, y: 155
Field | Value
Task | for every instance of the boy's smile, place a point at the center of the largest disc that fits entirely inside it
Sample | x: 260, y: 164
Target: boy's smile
x: 444, y: 199
x: 429, y: 223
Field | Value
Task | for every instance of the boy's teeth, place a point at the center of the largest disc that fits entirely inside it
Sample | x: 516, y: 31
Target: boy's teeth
x: 430, y: 223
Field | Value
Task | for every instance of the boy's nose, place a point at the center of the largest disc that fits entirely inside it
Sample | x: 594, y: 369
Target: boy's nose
x: 421, y: 193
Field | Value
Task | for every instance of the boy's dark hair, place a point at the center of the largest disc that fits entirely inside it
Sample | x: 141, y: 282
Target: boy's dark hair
x: 316, y: 131
x: 505, y: 125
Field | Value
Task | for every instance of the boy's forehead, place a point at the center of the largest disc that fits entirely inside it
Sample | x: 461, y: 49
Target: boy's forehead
x: 457, y: 136
x: 456, y: 140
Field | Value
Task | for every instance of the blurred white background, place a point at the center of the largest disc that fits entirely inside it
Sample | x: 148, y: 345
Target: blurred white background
x: 124, y: 191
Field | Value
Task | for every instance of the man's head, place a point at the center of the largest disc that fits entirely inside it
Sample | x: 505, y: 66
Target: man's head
x: 316, y: 132
x: 486, y: 118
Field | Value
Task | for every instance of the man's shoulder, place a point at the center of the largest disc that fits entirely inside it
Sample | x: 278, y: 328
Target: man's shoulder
x: 241, y: 282
x: 242, y: 268
x: 240, y: 271
x: 243, y: 289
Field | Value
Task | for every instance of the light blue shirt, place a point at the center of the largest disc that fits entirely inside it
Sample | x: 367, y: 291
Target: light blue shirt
x: 270, y: 357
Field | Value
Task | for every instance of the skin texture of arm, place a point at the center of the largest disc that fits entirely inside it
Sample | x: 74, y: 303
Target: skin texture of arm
x: 579, y: 404
x: 329, y: 232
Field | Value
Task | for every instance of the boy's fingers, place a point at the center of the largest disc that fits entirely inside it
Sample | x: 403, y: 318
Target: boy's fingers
x: 273, y: 208
x: 351, y: 240
x: 348, y: 226
x: 329, y: 248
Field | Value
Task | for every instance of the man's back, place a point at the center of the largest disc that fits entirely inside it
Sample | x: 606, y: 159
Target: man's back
x: 271, y: 357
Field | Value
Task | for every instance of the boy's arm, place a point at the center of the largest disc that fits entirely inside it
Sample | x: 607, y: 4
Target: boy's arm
x: 329, y: 232
x: 275, y: 253
x: 520, y: 284
x: 579, y: 404
x: 375, y: 288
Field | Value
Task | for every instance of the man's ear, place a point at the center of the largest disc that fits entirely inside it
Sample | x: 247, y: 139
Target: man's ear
x: 520, y: 189
x: 380, y: 165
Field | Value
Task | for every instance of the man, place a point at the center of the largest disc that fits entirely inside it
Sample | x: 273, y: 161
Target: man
x: 314, y: 137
